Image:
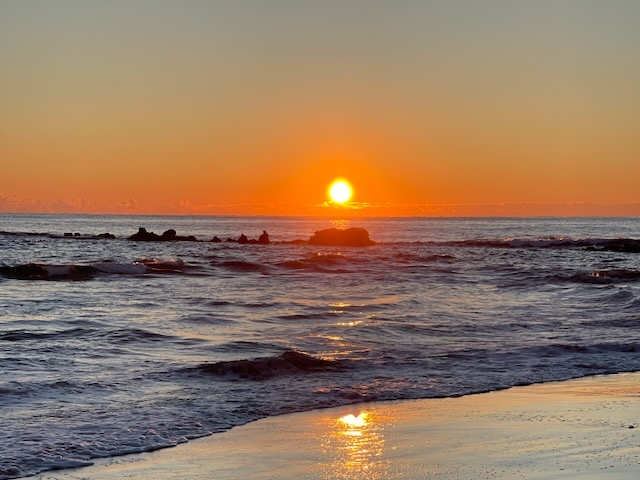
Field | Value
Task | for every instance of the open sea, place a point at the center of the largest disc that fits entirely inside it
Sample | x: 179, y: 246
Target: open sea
x: 110, y: 346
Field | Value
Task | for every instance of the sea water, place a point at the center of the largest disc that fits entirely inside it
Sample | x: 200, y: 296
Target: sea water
x: 110, y: 346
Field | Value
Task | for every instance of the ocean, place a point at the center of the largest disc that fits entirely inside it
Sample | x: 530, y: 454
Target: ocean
x: 110, y: 346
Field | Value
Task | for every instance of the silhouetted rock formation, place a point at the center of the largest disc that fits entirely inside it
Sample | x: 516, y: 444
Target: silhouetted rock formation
x: 244, y: 240
x: 351, y: 237
x: 144, y: 236
x: 168, y: 236
x: 86, y: 236
x: 264, y: 238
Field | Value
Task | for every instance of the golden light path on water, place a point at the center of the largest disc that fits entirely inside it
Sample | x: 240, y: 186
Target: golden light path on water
x: 355, y: 445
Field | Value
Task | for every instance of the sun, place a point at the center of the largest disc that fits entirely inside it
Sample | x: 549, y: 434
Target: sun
x: 340, y: 191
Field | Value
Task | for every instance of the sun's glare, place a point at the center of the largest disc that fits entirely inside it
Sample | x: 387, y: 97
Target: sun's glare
x: 352, y: 421
x: 340, y: 191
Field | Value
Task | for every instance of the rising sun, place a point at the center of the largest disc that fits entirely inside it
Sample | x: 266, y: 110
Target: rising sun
x: 340, y: 191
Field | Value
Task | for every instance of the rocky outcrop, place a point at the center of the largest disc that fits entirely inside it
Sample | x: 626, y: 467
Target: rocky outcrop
x: 168, y: 236
x: 351, y: 237
x: 244, y: 240
x: 88, y: 237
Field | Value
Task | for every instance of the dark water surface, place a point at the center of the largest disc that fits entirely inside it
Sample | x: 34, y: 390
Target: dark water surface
x: 119, y: 346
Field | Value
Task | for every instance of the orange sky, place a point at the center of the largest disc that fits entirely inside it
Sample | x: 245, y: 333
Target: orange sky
x: 226, y: 107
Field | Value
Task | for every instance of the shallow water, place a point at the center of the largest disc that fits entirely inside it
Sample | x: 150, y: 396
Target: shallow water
x: 123, y: 346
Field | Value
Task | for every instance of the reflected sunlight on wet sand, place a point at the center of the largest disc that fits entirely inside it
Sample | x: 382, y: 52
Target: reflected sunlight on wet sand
x: 582, y: 428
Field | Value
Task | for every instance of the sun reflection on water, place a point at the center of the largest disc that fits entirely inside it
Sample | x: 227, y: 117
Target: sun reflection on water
x: 355, y: 445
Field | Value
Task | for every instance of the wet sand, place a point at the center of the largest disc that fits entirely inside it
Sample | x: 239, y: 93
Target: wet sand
x: 587, y: 428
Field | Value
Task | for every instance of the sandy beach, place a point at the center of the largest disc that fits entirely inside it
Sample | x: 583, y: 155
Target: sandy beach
x: 587, y: 428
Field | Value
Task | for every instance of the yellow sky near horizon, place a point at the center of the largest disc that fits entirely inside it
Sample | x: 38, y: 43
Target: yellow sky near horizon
x: 226, y: 107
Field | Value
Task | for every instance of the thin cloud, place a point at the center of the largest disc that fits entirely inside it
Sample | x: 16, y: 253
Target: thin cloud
x: 10, y: 203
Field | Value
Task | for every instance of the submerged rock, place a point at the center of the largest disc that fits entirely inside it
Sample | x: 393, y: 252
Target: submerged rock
x: 351, y: 237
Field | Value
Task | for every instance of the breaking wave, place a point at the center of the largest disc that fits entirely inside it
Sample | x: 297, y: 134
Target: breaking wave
x: 614, y: 275
x: 43, y: 271
x: 289, y: 363
x: 606, y: 244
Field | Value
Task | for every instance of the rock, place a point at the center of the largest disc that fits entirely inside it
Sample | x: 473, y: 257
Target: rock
x: 144, y: 236
x: 216, y: 240
x: 351, y: 237
x: 168, y: 236
x: 264, y: 238
x: 105, y: 235
x: 243, y: 239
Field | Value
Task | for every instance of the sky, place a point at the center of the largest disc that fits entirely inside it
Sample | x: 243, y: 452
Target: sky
x: 477, y: 107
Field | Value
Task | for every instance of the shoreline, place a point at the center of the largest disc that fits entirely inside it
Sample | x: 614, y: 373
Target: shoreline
x: 584, y: 428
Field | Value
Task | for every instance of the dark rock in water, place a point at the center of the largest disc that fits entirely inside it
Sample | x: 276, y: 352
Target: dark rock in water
x: 105, y: 235
x: 168, y: 236
x: 264, y: 238
x: 244, y: 240
x: 144, y: 236
x: 351, y: 237
x: 80, y: 236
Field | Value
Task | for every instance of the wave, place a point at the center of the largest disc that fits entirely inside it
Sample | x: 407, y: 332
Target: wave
x: 163, y: 265
x: 242, y: 266
x: 43, y: 271
x: 290, y: 362
x: 115, y: 336
x: 25, y: 335
x: 321, y: 262
x: 561, y: 348
x: 412, y: 258
x: 606, y: 244
x: 613, y: 275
